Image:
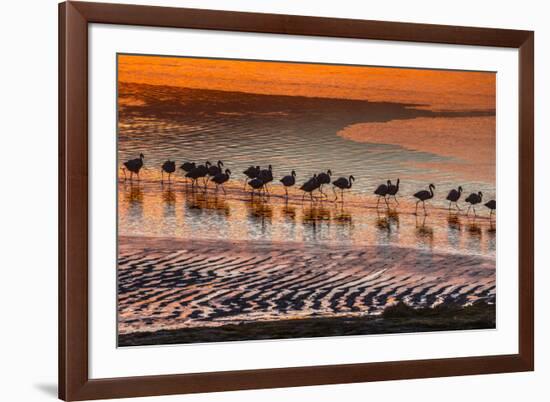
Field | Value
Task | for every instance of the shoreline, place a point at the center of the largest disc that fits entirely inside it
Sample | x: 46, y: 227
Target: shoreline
x: 128, y: 243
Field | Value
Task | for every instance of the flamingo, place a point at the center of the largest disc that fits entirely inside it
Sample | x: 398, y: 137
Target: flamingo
x: 454, y: 196
x: 197, y: 172
x: 492, y: 205
x: 310, y: 186
x: 343, y: 184
x: 474, y: 199
x: 382, y: 191
x: 289, y: 181
x: 251, y: 173
x: 188, y: 166
x: 256, y: 184
x: 221, y: 178
x: 324, y: 178
x: 266, y: 176
x: 134, y: 166
x: 423, y: 196
x: 213, y: 170
x: 393, y: 189
x: 168, y: 167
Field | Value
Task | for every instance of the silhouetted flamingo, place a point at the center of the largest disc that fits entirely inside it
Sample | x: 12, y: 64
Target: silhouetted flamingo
x: 188, y: 166
x: 324, y: 178
x: 251, y: 173
x: 423, y: 196
x: 215, y: 169
x: 492, y: 205
x: 168, y: 167
x: 393, y: 189
x: 454, y: 196
x: 474, y: 199
x: 134, y: 166
x: 266, y: 176
x: 198, y: 172
x: 310, y: 186
x: 289, y: 181
x: 382, y: 191
x: 343, y: 184
x: 221, y: 178
x: 256, y: 184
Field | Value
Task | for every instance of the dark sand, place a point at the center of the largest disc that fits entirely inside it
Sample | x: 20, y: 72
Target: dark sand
x: 396, y: 320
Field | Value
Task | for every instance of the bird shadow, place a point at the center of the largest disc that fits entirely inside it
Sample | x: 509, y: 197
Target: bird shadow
x: 47, y: 389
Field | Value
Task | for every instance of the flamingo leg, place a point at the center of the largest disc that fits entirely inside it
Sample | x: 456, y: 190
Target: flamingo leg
x: 342, y: 191
x: 424, y: 205
x: 386, y: 200
x: 335, y: 194
x: 416, y: 209
x: 378, y: 202
x: 286, y: 192
x: 223, y: 188
x: 395, y: 198
x: 450, y: 202
x: 124, y: 171
x: 468, y: 211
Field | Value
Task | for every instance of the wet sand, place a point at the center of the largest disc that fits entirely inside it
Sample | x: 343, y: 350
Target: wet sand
x: 168, y: 284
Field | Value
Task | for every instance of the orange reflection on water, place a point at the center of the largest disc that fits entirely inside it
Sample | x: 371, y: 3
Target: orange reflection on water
x: 176, y: 211
x: 429, y: 89
x: 471, y: 140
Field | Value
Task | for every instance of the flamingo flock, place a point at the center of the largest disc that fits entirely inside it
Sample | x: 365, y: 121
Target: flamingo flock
x: 258, y: 179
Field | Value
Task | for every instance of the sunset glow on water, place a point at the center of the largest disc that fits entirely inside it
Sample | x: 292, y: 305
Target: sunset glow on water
x: 422, y: 126
x: 193, y: 256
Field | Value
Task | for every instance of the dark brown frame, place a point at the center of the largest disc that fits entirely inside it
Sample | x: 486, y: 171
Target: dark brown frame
x: 74, y: 382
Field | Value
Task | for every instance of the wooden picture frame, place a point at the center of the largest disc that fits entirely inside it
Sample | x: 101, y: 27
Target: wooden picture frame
x: 74, y: 381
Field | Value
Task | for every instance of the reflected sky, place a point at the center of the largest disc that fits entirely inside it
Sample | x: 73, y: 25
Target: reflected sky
x: 175, y: 210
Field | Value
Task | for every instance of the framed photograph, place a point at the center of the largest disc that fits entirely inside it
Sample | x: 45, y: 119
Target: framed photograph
x: 257, y: 201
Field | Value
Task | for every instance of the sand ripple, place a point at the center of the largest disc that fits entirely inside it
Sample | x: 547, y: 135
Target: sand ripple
x: 169, y: 284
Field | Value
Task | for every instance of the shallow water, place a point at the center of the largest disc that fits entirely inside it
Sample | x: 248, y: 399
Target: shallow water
x: 290, y: 133
x: 176, y: 210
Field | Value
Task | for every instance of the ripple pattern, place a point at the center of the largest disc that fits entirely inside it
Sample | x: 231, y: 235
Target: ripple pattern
x: 193, y: 284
